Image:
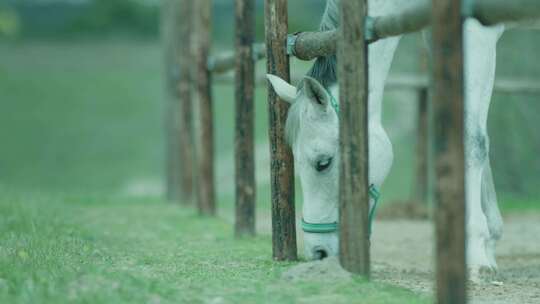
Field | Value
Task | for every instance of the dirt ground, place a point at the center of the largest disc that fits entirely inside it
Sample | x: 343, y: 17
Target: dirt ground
x: 402, y: 254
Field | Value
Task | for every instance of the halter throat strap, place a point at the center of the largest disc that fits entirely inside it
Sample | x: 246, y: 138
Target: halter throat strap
x: 333, y: 101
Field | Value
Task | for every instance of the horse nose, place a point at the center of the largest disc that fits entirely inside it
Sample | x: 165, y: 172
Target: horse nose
x: 320, y: 253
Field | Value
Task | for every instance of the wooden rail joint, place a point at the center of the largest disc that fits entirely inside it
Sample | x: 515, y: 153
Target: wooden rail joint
x: 310, y: 45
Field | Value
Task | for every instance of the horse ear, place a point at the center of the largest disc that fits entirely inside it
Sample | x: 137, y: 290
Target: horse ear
x: 315, y: 92
x: 284, y: 90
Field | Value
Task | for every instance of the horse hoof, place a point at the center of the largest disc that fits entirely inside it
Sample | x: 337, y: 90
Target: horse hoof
x: 482, y: 274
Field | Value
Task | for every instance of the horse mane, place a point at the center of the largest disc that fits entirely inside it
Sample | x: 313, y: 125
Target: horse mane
x: 324, y: 70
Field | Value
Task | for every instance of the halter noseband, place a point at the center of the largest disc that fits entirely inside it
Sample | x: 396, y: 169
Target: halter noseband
x: 333, y: 227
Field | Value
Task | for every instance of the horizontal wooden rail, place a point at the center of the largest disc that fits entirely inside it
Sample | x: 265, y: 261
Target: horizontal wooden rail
x: 525, y: 25
x: 224, y: 62
x: 506, y: 86
x: 490, y: 12
x: 312, y: 44
x: 398, y: 82
x: 309, y: 45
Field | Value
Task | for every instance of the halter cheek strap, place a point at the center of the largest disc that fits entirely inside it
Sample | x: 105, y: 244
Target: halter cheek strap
x: 333, y: 102
x: 333, y: 227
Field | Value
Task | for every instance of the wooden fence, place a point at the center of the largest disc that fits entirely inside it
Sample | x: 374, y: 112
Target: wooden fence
x: 448, y: 93
x: 352, y: 59
x: 176, y: 27
x: 281, y: 158
x: 351, y: 40
x: 309, y: 45
x: 245, y: 185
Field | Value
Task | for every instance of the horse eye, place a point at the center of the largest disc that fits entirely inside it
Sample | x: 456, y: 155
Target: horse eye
x: 323, y: 164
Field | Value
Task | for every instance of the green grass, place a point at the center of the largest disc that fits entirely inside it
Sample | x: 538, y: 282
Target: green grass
x: 102, y: 250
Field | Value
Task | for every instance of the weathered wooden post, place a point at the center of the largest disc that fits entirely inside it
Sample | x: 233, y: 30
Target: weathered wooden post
x: 206, y: 189
x: 171, y: 67
x: 353, y: 137
x: 244, y: 94
x: 185, y: 92
x: 448, y: 100
x: 282, y: 164
x: 176, y: 27
x: 422, y: 148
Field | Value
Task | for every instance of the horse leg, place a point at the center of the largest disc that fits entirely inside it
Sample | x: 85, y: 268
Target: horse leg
x: 381, y: 156
x: 480, y: 59
x: 492, y: 212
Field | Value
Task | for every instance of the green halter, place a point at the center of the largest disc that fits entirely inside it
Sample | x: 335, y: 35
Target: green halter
x: 333, y: 101
x: 333, y: 227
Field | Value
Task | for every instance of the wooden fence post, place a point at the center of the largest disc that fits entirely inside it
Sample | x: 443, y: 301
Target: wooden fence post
x: 353, y: 138
x: 449, y: 150
x: 282, y: 164
x: 168, y: 33
x: 185, y: 92
x: 206, y: 188
x: 244, y: 94
x: 176, y: 27
x: 422, y: 148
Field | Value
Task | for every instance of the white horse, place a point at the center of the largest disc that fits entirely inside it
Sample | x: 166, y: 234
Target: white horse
x: 312, y: 131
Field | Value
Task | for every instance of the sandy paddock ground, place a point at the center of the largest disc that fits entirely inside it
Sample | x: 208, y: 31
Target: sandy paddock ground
x: 402, y: 254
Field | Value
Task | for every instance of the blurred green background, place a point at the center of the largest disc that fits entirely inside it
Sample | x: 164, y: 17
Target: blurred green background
x: 82, y: 94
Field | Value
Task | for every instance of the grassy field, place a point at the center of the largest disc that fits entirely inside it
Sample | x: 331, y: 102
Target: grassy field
x: 79, y: 117
x: 77, y: 249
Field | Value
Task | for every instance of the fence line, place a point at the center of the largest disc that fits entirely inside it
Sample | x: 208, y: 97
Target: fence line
x: 447, y: 16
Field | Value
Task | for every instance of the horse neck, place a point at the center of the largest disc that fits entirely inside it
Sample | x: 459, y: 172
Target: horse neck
x: 374, y: 107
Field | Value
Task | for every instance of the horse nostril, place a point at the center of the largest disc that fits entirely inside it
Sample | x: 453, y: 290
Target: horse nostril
x: 320, y: 254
